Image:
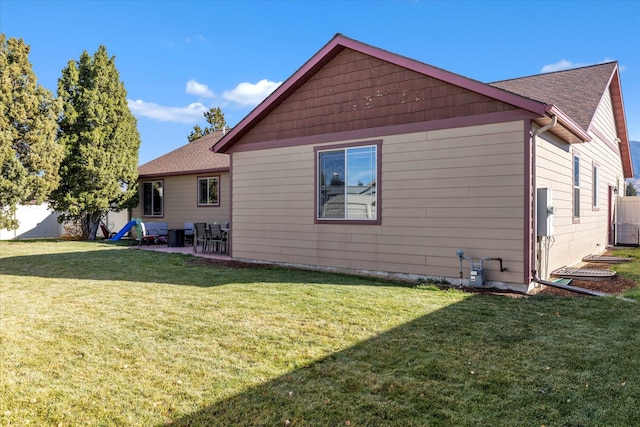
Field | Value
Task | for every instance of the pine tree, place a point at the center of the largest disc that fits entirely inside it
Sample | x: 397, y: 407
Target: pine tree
x: 29, y: 152
x: 197, y: 132
x: 101, y: 138
x: 215, y: 117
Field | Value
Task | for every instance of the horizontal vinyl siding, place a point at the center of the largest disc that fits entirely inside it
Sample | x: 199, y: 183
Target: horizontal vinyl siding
x: 181, y: 201
x: 604, y: 120
x: 441, y: 190
x: 573, y: 241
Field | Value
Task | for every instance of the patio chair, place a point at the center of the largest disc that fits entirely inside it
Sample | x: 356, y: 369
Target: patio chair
x: 200, y: 235
x: 218, y: 238
x: 188, y: 233
x: 106, y: 233
x: 145, y: 237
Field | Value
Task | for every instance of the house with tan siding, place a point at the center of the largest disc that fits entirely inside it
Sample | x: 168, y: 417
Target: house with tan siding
x: 189, y: 184
x: 364, y: 161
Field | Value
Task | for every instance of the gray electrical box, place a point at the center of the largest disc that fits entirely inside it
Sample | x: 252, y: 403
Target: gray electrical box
x: 544, y: 212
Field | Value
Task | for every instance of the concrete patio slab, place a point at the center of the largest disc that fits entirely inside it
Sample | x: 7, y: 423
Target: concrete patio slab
x: 186, y: 250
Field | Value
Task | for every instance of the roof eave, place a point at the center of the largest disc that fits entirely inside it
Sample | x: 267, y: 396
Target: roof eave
x: 328, y: 51
x: 575, y: 133
x: 621, y: 123
x: 615, y: 89
x: 180, y: 173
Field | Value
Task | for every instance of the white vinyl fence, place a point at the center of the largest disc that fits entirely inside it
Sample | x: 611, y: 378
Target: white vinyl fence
x: 627, y: 223
x: 36, y: 222
x: 39, y: 222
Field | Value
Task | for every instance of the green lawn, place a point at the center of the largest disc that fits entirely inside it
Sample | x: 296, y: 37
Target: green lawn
x: 94, y: 334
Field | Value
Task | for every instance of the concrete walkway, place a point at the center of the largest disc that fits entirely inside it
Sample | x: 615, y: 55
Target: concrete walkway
x: 187, y: 250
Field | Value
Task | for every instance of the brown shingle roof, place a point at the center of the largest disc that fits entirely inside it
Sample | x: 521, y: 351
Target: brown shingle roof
x: 193, y: 157
x: 577, y: 92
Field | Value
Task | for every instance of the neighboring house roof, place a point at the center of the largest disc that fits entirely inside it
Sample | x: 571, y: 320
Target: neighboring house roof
x: 192, y: 158
x: 548, y: 101
x: 578, y: 93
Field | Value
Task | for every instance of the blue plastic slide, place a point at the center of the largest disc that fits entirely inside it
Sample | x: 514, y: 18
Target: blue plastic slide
x: 124, y: 230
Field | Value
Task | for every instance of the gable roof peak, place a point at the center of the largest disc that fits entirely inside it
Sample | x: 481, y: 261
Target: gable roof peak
x: 332, y: 49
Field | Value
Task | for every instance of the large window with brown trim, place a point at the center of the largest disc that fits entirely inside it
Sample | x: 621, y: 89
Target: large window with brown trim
x: 347, y: 183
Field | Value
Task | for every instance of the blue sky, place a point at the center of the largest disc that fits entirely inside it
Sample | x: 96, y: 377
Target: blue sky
x: 179, y: 58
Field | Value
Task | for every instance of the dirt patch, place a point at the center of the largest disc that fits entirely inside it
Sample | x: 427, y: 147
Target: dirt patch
x: 229, y: 263
x: 616, y: 285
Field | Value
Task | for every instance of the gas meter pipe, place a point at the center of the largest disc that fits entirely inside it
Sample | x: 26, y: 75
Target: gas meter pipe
x: 476, y: 268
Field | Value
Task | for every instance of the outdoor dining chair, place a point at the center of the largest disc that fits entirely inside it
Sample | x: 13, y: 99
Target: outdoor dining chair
x: 200, y: 236
x: 218, y: 238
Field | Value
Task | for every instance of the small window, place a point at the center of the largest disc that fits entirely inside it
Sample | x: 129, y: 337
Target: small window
x: 347, y: 183
x: 596, y: 186
x: 576, y: 186
x: 209, y: 191
x: 152, y: 198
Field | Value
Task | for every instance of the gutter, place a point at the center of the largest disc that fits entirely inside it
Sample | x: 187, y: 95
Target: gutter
x: 534, y: 186
x: 184, y: 172
x: 567, y: 122
x: 554, y: 121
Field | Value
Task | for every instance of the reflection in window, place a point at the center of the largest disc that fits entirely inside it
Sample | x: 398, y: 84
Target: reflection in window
x: 347, y: 183
x: 208, y: 191
x: 152, y: 196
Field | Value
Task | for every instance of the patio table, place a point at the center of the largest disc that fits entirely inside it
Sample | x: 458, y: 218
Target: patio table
x: 175, y: 237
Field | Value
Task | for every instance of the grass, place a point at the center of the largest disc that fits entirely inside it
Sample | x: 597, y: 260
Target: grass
x: 630, y: 269
x: 100, y: 335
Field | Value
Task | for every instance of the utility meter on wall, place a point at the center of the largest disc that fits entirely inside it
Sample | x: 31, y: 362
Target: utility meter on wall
x: 544, y: 212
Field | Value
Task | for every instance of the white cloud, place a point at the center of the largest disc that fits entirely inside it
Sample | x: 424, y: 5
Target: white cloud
x: 192, y: 113
x: 199, y: 89
x: 250, y: 94
x: 199, y: 38
x: 561, y: 65
x: 566, y: 65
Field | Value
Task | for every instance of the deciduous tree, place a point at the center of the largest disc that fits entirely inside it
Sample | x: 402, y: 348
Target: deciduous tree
x: 101, y: 139
x: 29, y: 152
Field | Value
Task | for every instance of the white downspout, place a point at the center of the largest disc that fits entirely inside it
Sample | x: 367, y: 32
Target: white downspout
x: 554, y: 121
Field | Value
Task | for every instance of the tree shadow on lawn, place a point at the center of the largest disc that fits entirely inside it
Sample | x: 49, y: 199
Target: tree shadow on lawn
x: 170, y: 268
x: 482, y: 361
